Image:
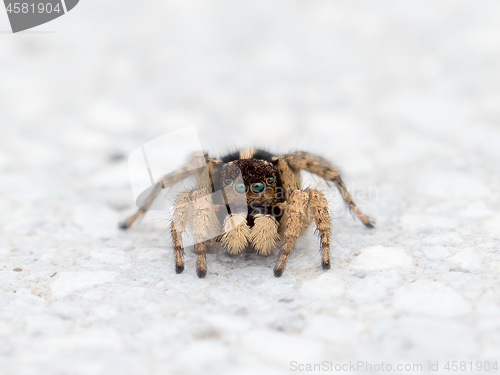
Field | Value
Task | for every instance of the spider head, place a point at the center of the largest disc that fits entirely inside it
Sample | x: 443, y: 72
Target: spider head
x: 254, y: 178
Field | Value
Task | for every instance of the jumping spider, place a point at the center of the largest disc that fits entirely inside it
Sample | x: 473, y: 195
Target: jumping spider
x: 262, y: 204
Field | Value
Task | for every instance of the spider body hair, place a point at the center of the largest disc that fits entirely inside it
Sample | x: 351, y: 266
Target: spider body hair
x: 262, y: 205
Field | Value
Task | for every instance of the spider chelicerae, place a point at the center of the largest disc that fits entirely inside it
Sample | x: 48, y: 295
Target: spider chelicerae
x: 260, y: 205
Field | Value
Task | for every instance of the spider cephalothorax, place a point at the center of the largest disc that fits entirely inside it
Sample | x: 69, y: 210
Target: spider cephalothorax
x: 257, y: 179
x: 261, y: 206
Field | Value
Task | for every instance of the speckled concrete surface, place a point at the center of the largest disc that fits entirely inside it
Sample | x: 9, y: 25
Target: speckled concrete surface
x: 402, y: 96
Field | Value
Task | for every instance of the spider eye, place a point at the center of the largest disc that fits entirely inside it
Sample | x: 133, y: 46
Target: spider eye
x: 270, y: 180
x: 227, y: 181
x: 257, y: 187
x: 240, y: 188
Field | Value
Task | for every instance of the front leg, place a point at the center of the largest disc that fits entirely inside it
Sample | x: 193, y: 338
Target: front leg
x: 264, y: 234
x: 236, y: 233
x: 318, y: 207
x: 205, y: 226
x: 178, y: 226
x: 294, y: 218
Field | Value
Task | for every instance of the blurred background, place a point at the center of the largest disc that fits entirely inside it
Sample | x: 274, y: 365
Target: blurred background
x: 402, y: 96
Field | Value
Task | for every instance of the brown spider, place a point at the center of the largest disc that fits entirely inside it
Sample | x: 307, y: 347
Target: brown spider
x: 261, y: 205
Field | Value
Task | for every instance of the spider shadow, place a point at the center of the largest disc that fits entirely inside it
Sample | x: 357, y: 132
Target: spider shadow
x: 247, y: 257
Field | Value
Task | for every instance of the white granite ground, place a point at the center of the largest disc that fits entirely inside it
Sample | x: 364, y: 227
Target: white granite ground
x: 402, y: 96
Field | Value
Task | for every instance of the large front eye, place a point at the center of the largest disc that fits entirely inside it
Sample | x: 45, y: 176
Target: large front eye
x: 257, y: 187
x: 240, y: 188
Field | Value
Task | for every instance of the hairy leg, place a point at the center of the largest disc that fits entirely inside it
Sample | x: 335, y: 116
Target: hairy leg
x: 321, y: 167
x: 264, y: 234
x: 236, y: 233
x: 289, y: 177
x: 205, y: 226
x: 293, y: 221
x: 182, y: 207
x: 192, y: 167
x: 318, y: 208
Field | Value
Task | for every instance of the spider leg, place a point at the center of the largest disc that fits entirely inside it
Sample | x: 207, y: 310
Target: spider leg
x: 264, y: 234
x: 205, y: 226
x: 145, y: 206
x: 315, y: 164
x: 236, y: 233
x: 319, y: 207
x: 302, y: 208
x: 182, y: 206
x: 192, y: 167
x: 289, y: 178
x: 293, y: 221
